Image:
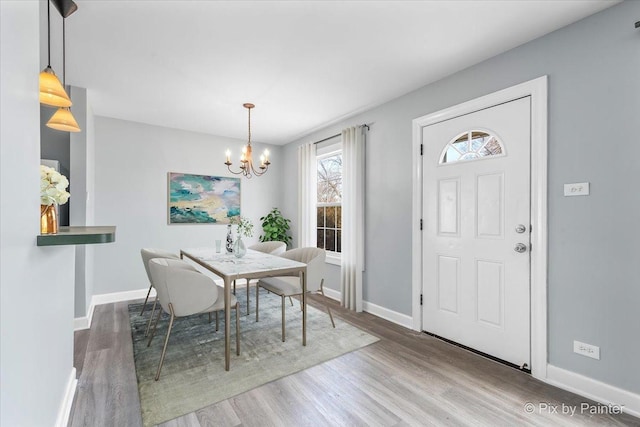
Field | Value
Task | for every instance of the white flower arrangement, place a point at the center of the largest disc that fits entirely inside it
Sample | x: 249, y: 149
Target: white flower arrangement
x: 53, y: 186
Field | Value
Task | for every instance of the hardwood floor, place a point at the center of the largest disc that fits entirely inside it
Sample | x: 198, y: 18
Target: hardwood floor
x: 405, y: 379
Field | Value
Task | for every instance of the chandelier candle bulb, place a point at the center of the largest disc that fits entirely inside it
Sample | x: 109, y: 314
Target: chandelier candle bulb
x: 228, y: 153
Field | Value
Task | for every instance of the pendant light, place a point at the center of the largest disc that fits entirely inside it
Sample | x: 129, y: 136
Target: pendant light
x: 51, y: 90
x: 247, y: 167
x: 63, y: 120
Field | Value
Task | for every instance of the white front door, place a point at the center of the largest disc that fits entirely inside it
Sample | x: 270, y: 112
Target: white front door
x: 476, y: 239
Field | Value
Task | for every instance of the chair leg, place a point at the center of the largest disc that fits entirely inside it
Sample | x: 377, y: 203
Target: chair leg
x: 146, y: 299
x: 234, y: 287
x: 153, y: 310
x: 238, y: 329
x: 155, y: 324
x: 166, y: 341
x: 283, y: 338
x: 257, y: 300
x: 291, y: 301
x: 217, y: 323
x: 248, y: 305
x: 209, y: 317
x: 327, y: 305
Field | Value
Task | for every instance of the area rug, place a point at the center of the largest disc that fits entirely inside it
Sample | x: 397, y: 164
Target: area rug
x: 193, y: 374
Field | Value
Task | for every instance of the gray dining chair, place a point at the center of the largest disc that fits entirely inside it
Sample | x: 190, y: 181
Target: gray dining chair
x: 287, y: 286
x: 184, y: 291
x: 147, y: 255
x: 272, y: 248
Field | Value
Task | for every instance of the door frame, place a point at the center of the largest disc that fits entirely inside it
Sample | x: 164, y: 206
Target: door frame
x: 537, y: 90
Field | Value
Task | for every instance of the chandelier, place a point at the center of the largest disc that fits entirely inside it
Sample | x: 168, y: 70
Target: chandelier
x: 247, y: 167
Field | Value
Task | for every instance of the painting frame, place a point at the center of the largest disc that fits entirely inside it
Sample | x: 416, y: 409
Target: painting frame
x: 202, y: 199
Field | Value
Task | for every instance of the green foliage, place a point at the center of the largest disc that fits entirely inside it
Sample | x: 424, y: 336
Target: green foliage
x: 275, y: 227
x: 244, y: 224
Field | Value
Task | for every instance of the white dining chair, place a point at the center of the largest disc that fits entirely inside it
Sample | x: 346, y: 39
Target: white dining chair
x: 147, y: 255
x: 272, y: 248
x: 184, y: 291
x: 287, y: 286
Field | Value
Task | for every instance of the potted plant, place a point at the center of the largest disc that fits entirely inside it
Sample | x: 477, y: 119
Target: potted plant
x: 275, y: 227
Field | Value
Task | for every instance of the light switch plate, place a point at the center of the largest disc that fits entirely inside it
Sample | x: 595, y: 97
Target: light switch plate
x: 576, y: 189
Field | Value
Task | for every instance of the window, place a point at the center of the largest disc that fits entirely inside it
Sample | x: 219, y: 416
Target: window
x: 329, y: 206
x: 471, y: 145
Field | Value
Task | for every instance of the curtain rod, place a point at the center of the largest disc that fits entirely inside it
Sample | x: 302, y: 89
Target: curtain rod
x: 336, y: 135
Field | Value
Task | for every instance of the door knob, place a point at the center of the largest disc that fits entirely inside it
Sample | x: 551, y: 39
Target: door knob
x: 520, y: 247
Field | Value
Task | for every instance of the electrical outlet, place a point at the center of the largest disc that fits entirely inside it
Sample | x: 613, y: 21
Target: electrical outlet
x: 576, y: 189
x: 588, y: 350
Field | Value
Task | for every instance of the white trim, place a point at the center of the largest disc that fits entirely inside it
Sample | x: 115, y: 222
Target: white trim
x: 67, y: 400
x: 80, y: 323
x: 121, y: 296
x: 593, y: 389
x: 334, y: 259
x: 324, y: 151
x: 390, y: 315
x: 537, y: 89
x: 332, y: 293
x: 376, y: 310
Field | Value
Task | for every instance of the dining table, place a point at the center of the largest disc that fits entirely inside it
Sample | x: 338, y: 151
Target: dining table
x: 253, y: 265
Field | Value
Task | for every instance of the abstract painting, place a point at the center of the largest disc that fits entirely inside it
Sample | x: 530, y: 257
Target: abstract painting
x: 203, y: 199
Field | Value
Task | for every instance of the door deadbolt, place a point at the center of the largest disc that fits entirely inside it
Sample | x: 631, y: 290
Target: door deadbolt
x: 521, y: 228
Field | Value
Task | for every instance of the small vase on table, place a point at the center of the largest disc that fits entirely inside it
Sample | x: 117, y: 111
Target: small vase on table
x: 239, y: 248
x: 229, y: 244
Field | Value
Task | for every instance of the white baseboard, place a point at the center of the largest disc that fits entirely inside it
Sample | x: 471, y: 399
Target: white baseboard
x: 121, y: 296
x: 376, y: 310
x: 80, y: 323
x: 385, y: 313
x: 333, y: 294
x: 390, y: 315
x: 593, y: 389
x: 67, y: 400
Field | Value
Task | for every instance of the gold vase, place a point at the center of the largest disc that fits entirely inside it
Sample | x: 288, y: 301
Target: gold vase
x: 48, y: 219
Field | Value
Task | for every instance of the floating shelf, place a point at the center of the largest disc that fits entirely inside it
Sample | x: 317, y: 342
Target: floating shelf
x: 76, y: 235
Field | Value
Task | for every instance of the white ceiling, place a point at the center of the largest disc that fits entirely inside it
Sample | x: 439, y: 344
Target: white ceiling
x: 305, y: 64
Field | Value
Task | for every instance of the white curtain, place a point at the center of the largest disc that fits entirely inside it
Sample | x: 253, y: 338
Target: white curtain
x: 307, y: 195
x: 353, y: 171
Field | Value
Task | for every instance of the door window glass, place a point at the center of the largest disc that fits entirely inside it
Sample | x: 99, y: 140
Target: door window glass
x: 471, y: 145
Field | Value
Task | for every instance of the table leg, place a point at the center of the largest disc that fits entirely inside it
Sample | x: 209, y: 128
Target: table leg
x: 304, y: 306
x: 227, y: 322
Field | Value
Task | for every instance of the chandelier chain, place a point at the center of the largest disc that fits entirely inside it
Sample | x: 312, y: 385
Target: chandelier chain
x: 249, y: 142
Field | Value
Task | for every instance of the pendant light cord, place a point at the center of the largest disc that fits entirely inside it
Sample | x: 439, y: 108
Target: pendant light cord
x: 48, y: 33
x: 64, y: 56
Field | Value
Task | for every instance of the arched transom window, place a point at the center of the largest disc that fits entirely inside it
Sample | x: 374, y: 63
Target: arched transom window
x: 471, y: 145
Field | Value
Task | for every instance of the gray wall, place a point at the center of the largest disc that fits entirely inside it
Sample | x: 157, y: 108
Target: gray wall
x: 36, y: 283
x: 594, y: 105
x: 81, y: 186
x: 131, y: 165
